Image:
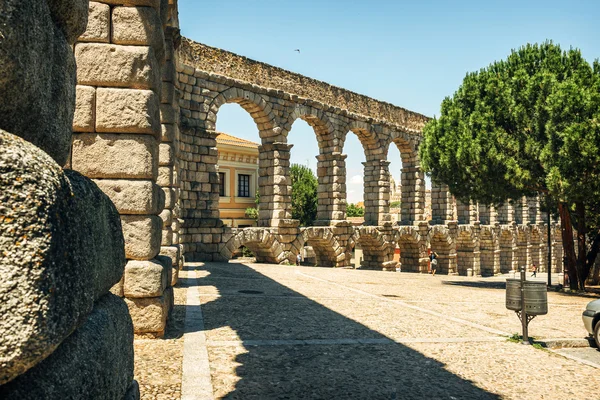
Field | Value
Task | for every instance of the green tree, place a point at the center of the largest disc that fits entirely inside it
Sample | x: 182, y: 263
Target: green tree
x: 354, y: 211
x: 524, y: 126
x: 304, y: 194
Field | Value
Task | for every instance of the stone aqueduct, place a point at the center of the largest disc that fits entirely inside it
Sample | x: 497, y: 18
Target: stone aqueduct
x: 144, y: 131
x: 467, y: 237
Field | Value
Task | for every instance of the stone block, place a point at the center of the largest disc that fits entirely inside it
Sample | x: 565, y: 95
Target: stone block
x: 168, y: 132
x: 166, y: 154
x: 127, y: 111
x: 116, y: 66
x: 170, y: 197
x: 167, y: 237
x: 117, y: 289
x: 144, y: 3
x: 132, y: 196
x: 145, y: 278
x: 138, y: 26
x: 150, y: 314
x: 62, y: 248
x: 95, y: 362
x: 115, y: 156
x: 167, y: 265
x: 37, y: 70
x: 173, y: 252
x: 98, y: 27
x: 165, y: 176
x: 167, y: 217
x: 142, y: 235
x: 85, y: 109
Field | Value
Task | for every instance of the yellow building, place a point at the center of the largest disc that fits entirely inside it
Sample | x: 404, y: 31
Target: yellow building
x: 238, y: 174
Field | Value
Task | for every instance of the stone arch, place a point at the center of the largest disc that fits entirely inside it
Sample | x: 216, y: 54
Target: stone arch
x: 506, y: 242
x: 522, y: 247
x: 409, y: 242
x: 261, y: 242
x: 467, y: 251
x: 412, y: 177
x: 489, y: 251
x: 378, y: 248
x: 259, y: 109
x: 536, y: 251
x: 327, y: 249
x: 440, y: 241
x: 316, y: 119
x: 376, y: 176
x: 331, y: 189
x: 368, y: 136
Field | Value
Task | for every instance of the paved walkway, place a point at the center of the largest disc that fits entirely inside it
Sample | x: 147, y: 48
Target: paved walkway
x: 253, y: 331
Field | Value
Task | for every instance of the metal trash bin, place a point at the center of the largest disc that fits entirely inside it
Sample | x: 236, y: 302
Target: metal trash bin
x: 536, y: 296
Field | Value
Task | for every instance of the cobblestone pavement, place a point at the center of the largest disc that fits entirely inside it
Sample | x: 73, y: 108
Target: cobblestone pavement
x: 588, y: 355
x: 286, y: 332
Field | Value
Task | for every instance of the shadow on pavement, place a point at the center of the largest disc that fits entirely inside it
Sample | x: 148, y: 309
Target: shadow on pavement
x: 477, y: 284
x: 375, y: 369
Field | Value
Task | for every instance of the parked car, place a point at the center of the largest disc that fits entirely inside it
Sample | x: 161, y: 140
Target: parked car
x: 591, y: 319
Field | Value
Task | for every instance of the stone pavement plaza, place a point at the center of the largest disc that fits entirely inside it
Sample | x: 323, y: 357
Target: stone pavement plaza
x: 257, y: 331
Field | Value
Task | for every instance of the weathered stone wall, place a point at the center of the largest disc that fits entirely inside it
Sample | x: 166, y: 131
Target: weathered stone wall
x: 274, y: 110
x: 125, y: 125
x: 60, y: 235
x: 224, y: 63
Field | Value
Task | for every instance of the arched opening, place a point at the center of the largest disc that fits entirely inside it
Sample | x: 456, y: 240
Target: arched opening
x: 506, y: 251
x: 413, y: 183
x: 354, y: 179
x: 324, y: 245
x: 488, y: 256
x: 535, y: 250
x: 395, y: 159
x: 467, y: 260
x: 261, y: 243
x: 354, y: 254
x: 238, y: 155
x: 440, y: 243
x: 408, y: 244
x: 377, y: 252
x: 522, y: 249
x: 305, y: 183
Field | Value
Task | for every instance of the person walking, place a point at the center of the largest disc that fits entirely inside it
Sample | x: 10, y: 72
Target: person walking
x: 433, y: 256
x: 534, y: 269
x: 298, y: 259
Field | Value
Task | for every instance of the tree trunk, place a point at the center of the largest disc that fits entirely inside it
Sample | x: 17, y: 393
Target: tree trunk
x: 582, y: 271
x: 568, y: 246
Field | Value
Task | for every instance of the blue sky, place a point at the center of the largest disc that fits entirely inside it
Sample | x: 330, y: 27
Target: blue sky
x: 409, y: 53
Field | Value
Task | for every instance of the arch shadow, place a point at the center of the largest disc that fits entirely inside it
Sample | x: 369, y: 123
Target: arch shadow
x: 292, y: 347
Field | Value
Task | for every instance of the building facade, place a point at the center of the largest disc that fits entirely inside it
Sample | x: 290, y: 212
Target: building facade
x: 238, y: 179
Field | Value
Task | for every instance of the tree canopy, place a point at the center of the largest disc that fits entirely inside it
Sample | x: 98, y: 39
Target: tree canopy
x: 354, y: 211
x: 304, y: 194
x: 525, y: 126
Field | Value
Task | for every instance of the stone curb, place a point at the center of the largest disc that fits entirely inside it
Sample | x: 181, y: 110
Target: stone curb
x: 564, y: 342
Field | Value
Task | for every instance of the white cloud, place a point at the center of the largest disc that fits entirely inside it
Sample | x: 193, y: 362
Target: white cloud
x: 356, y: 179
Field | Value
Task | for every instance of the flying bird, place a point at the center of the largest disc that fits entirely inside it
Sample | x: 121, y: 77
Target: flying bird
x: 298, y: 50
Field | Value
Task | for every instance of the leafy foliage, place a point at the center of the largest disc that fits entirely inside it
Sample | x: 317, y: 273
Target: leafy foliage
x: 304, y: 194
x: 524, y: 126
x: 252, y: 212
x: 354, y: 211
